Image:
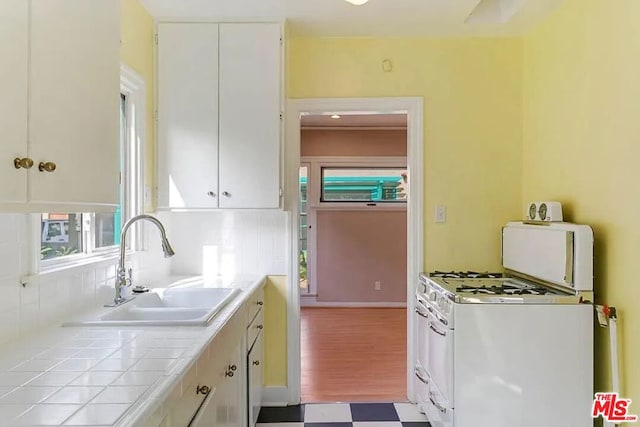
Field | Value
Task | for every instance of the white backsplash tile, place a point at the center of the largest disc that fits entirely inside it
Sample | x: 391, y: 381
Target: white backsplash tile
x: 220, y: 243
x: 51, y: 298
x: 227, y: 242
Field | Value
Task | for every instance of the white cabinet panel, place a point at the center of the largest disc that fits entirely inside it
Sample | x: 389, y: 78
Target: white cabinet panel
x: 187, y: 115
x: 14, y: 18
x: 219, y: 104
x: 206, y: 415
x: 73, y: 100
x: 250, y: 79
x: 255, y: 362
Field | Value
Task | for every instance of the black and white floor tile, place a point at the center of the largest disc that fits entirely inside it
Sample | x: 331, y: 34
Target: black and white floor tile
x: 344, y: 415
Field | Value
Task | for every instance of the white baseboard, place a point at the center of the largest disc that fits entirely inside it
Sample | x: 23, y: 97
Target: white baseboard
x: 275, y: 396
x: 309, y: 302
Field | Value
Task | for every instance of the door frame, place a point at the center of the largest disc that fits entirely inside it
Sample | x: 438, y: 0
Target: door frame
x: 413, y: 107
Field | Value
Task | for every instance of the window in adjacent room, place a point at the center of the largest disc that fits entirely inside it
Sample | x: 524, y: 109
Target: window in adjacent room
x: 364, y: 184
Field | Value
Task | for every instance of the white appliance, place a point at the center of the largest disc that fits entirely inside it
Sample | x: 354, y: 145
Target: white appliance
x: 544, y: 211
x: 512, y: 349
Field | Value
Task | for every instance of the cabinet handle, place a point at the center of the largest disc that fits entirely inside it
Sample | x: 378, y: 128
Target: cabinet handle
x: 46, y: 166
x: 226, y: 194
x: 203, y: 389
x: 228, y: 374
x: 211, y: 194
x: 25, y: 163
x: 233, y: 367
x: 256, y: 362
x: 259, y: 326
x: 260, y: 303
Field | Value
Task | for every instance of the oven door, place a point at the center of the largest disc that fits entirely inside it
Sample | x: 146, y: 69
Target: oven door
x: 439, y: 411
x: 422, y: 315
x: 440, y: 357
x: 422, y: 388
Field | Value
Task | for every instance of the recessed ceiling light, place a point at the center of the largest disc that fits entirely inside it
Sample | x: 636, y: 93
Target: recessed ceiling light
x: 357, y: 2
x: 335, y: 116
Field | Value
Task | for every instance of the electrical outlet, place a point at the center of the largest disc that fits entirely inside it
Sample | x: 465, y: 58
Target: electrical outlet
x: 376, y: 285
x: 441, y: 214
x: 147, y: 195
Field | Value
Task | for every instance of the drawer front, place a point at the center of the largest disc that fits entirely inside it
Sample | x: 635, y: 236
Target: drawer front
x: 255, y: 328
x: 255, y: 305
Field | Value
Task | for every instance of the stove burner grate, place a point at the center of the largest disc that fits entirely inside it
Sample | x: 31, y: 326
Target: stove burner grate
x: 465, y: 275
x: 503, y: 290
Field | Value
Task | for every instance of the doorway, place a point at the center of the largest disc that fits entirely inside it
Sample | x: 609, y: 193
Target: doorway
x: 353, y: 257
x: 412, y: 108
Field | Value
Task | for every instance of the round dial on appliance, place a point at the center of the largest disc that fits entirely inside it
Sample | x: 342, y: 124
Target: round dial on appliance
x: 543, y: 211
x: 532, y: 211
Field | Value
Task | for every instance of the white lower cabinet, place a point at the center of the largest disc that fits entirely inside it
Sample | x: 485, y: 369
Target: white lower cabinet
x: 223, y: 386
x: 223, y: 405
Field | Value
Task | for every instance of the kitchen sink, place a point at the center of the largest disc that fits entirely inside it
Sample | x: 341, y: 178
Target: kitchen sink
x: 165, y: 307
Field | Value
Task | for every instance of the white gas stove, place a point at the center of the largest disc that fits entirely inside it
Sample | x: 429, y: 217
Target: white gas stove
x: 513, y: 348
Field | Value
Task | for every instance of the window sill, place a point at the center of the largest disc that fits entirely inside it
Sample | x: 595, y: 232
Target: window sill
x: 93, y: 260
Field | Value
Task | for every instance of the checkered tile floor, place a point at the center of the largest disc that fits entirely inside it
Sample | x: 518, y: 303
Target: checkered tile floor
x: 344, y: 415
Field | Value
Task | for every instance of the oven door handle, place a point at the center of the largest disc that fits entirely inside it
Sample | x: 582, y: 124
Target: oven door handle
x: 437, y: 405
x: 421, y: 314
x: 421, y: 378
x: 442, y: 334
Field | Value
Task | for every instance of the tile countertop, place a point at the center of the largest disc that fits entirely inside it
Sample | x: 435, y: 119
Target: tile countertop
x: 105, y: 376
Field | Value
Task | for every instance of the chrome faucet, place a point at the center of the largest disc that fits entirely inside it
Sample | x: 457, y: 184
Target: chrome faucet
x: 121, y: 275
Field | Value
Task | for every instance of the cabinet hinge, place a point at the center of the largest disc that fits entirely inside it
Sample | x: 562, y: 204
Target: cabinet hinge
x: 281, y: 41
x: 280, y: 191
x: 155, y: 115
x: 281, y: 116
x: 156, y: 38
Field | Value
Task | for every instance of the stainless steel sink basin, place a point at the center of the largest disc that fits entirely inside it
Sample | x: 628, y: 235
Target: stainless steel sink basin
x: 165, y: 307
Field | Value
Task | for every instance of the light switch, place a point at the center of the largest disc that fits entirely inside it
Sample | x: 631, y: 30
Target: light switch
x: 441, y: 214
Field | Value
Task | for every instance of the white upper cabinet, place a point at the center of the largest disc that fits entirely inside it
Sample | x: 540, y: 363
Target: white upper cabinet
x: 69, y: 81
x: 74, y: 98
x: 250, y: 115
x: 187, y: 115
x: 219, y: 124
x: 14, y: 24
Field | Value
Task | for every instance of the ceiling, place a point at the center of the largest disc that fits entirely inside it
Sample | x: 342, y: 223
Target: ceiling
x: 398, y: 121
x: 377, y: 18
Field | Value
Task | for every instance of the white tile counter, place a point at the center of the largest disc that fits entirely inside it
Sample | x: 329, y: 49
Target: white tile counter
x: 104, y: 376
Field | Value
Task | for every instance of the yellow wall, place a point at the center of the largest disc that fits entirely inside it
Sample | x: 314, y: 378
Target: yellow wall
x: 136, y: 50
x: 472, y: 140
x: 275, y: 337
x: 582, y: 145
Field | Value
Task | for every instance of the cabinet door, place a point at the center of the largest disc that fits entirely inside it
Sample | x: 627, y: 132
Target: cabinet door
x: 235, y: 389
x: 74, y: 95
x: 250, y: 62
x: 187, y: 115
x: 255, y: 362
x: 14, y: 25
x: 206, y: 415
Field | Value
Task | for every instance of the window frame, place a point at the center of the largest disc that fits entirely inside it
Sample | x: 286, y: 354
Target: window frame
x: 314, y: 190
x: 132, y: 87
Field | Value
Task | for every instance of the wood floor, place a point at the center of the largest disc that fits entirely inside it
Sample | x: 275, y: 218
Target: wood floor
x: 353, y: 354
